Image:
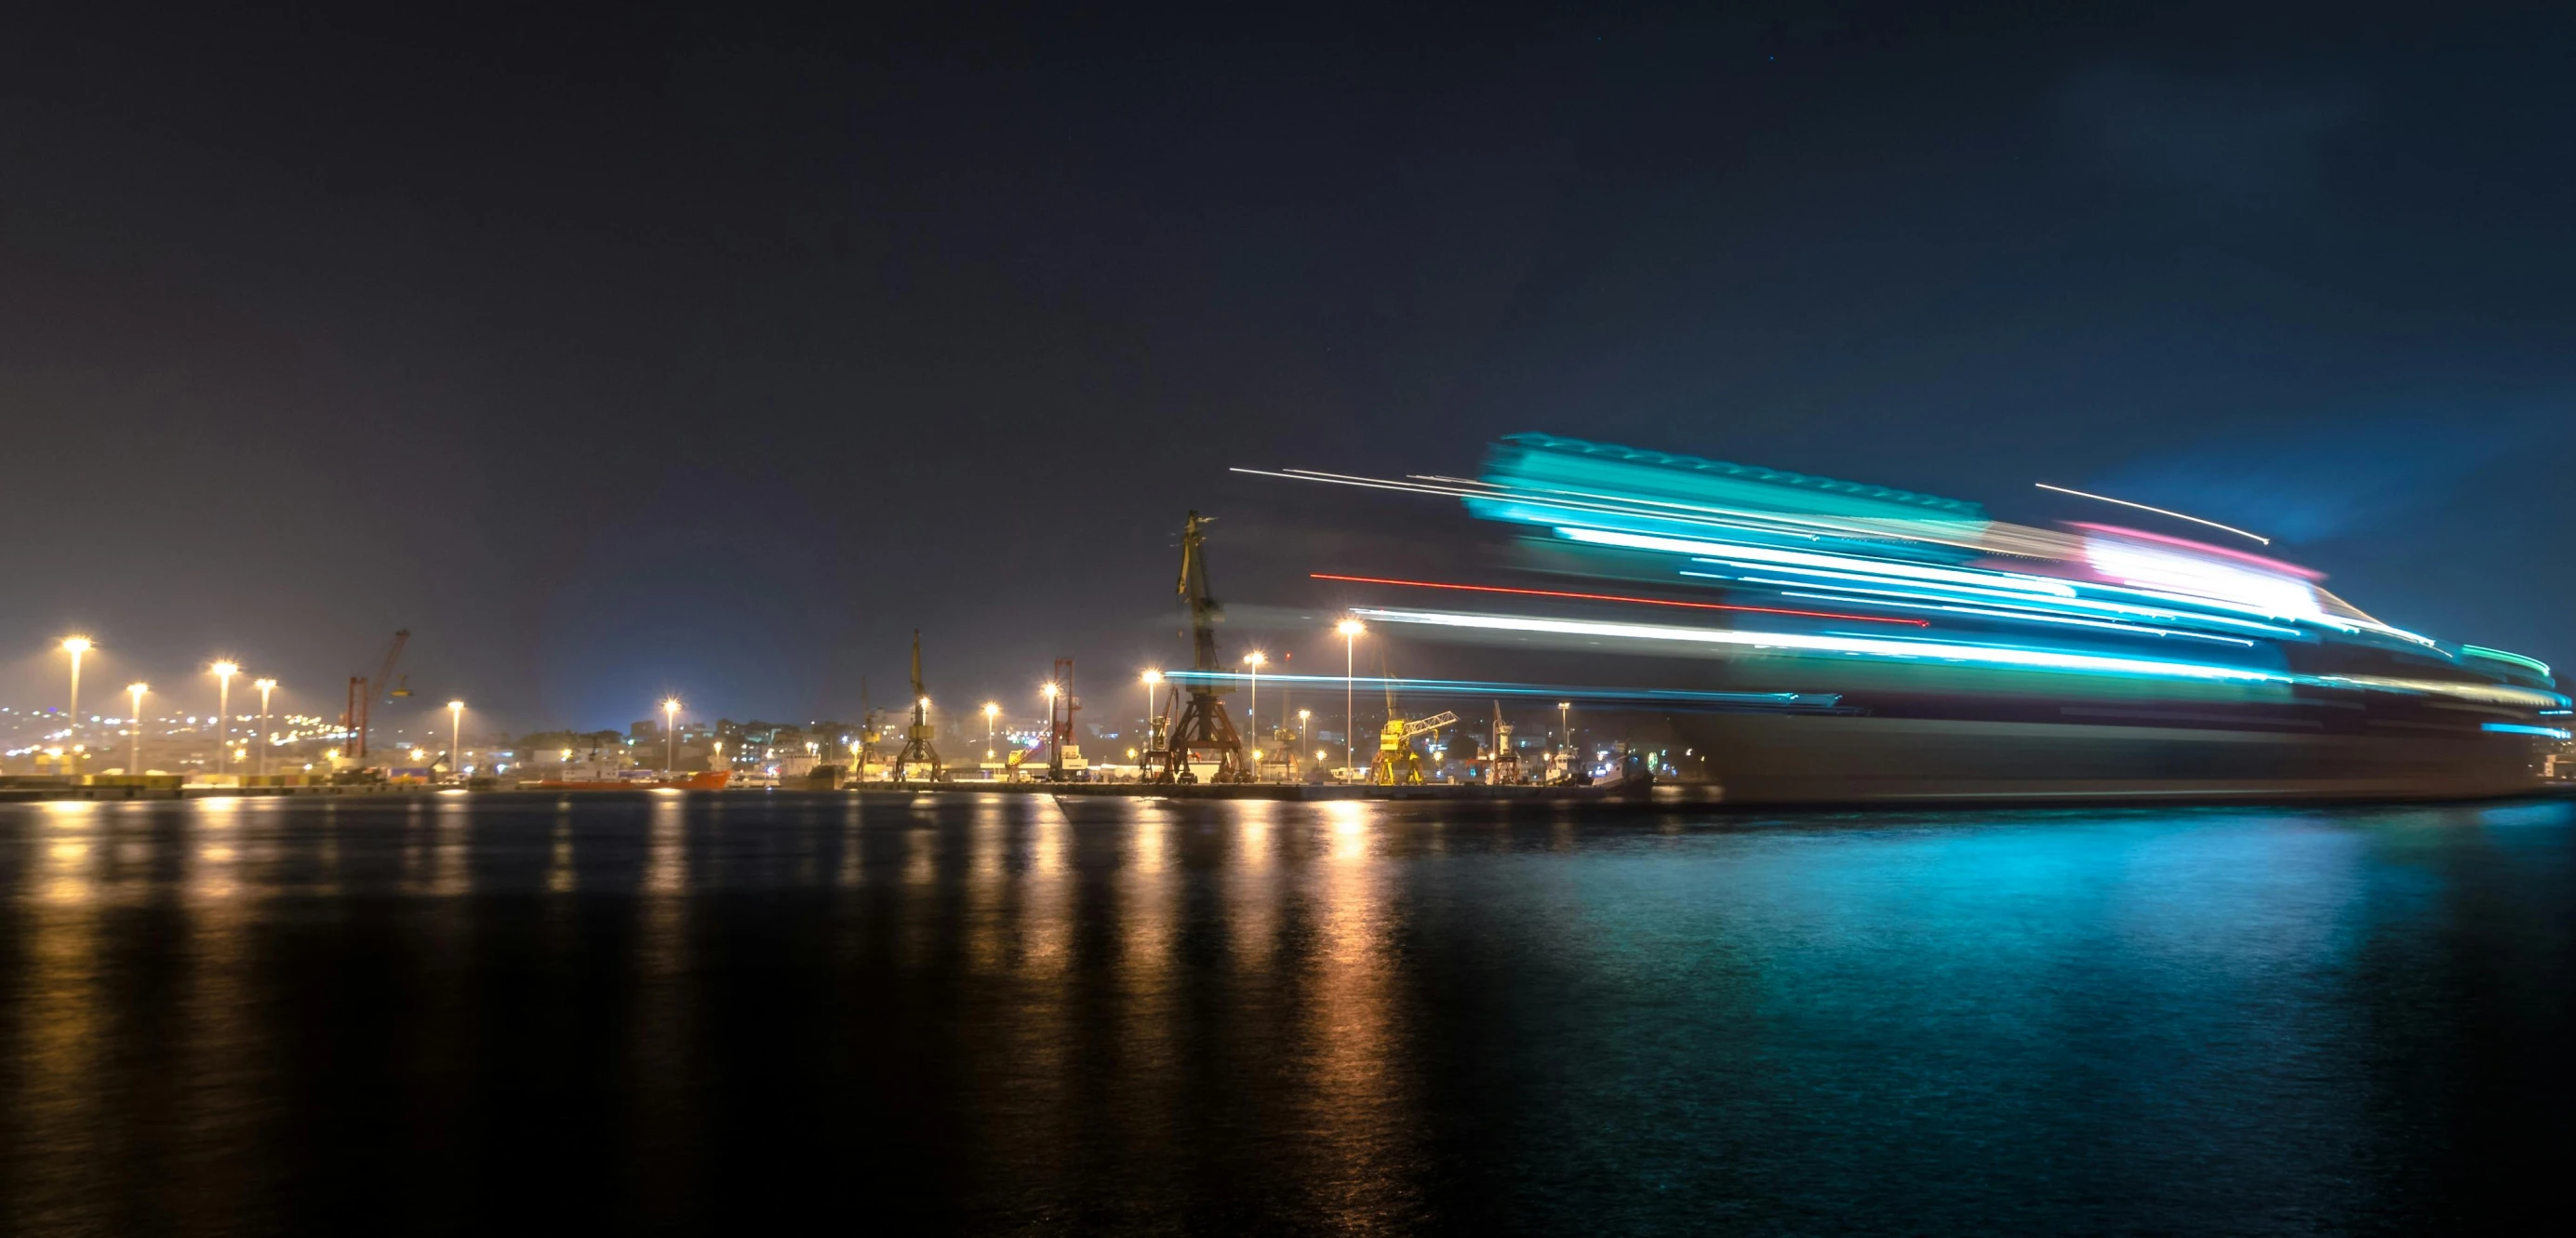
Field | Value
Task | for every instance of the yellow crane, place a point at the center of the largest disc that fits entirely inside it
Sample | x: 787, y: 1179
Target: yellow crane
x: 1396, y: 761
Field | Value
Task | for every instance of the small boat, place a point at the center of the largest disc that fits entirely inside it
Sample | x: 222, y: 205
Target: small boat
x: 638, y: 780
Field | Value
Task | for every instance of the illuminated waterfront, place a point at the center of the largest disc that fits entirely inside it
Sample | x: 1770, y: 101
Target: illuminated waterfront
x: 1022, y: 1012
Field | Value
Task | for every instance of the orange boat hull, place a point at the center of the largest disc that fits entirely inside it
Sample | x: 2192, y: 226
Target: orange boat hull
x: 708, y: 780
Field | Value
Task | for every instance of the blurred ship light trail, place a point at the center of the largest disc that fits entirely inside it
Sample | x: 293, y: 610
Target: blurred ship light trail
x: 1553, y: 692
x: 1764, y: 554
x: 1613, y: 597
x: 2104, y: 498
x: 1868, y: 646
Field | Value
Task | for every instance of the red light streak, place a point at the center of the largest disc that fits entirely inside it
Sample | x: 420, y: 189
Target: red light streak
x: 1613, y: 597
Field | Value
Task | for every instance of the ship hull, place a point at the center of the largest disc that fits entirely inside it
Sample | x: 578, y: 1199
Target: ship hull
x: 1897, y: 760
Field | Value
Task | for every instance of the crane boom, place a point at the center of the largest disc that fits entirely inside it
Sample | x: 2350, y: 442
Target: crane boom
x: 393, y: 654
x: 1424, y: 726
x: 363, y: 693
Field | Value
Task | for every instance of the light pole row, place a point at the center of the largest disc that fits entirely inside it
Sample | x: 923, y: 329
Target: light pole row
x: 223, y: 671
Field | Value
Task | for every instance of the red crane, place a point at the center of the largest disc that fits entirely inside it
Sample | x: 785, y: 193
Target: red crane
x: 363, y: 692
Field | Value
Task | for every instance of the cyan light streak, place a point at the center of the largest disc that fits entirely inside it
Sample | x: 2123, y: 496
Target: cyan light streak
x: 2516, y: 728
x: 1800, y: 558
x: 1983, y: 655
x: 1997, y: 598
x: 2025, y: 616
x: 1918, y: 578
x: 1473, y: 687
x: 2481, y: 651
x: 1965, y: 652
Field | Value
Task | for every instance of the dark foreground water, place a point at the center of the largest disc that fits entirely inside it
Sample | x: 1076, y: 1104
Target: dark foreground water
x: 463, y: 1014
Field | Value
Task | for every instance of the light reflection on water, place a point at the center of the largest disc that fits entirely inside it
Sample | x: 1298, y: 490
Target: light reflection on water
x: 1013, y: 1012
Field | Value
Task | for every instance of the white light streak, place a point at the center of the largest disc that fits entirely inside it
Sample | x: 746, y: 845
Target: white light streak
x: 2157, y: 510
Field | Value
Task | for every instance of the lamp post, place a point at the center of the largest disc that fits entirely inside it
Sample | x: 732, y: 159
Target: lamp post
x: 1350, y: 630
x: 1304, y: 716
x: 1151, y: 680
x: 671, y: 733
x: 265, y: 687
x: 224, y: 672
x: 1565, y: 737
x: 1252, y: 708
x: 75, y: 646
x: 992, y: 710
x: 136, y: 690
x: 456, y: 738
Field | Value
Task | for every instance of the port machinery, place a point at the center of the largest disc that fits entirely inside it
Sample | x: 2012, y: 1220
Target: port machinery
x: 1397, y: 763
x: 1198, y: 729
x: 918, y: 750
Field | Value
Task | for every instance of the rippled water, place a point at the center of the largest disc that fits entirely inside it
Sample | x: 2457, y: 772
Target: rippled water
x: 452, y: 1013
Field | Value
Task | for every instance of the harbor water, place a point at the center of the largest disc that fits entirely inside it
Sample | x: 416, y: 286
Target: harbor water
x: 744, y: 1012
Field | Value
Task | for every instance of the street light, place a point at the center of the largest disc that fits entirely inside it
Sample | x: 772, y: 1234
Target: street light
x: 671, y: 730
x: 1151, y: 680
x: 1565, y: 737
x: 1350, y: 630
x: 224, y: 672
x: 992, y: 710
x: 1303, y: 717
x: 1252, y: 708
x: 456, y: 737
x: 265, y: 687
x: 75, y: 646
x: 136, y: 690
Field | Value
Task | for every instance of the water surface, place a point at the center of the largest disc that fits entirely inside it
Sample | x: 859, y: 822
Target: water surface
x: 452, y: 1013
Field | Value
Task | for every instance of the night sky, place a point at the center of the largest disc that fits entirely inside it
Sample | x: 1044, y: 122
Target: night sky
x: 624, y: 352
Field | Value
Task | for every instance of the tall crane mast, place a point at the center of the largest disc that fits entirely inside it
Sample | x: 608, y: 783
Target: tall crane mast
x: 918, y: 750
x: 363, y: 692
x: 1203, y: 724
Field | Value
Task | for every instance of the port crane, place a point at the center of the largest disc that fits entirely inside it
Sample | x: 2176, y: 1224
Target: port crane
x: 364, y: 691
x: 1396, y: 761
x: 1061, y: 704
x: 1504, y: 765
x: 1200, y: 724
x: 917, y: 747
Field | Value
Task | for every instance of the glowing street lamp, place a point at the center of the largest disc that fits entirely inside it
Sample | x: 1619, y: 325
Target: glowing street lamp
x: 1304, y: 716
x: 1350, y: 630
x: 1565, y: 736
x: 75, y: 646
x: 1151, y: 680
x: 265, y: 687
x: 456, y: 737
x: 136, y: 690
x: 1252, y: 708
x: 224, y: 672
x: 992, y: 710
x: 671, y: 729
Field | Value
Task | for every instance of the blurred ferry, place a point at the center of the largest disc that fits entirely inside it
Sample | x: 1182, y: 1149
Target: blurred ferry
x: 1926, y: 652
x: 637, y: 780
